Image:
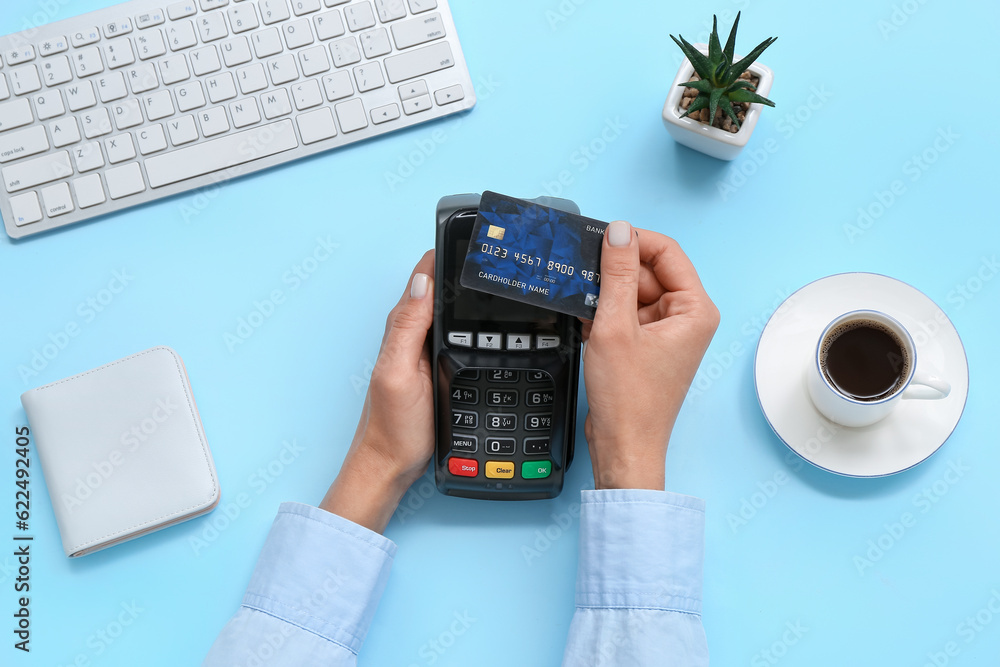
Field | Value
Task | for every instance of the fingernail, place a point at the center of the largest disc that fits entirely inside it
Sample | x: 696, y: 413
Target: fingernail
x: 418, y: 288
x: 619, y: 234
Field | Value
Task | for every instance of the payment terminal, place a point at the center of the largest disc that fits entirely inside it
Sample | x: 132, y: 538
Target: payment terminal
x: 505, y: 378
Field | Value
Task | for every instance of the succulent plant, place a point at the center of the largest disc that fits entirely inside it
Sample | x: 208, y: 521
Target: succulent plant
x: 720, y: 85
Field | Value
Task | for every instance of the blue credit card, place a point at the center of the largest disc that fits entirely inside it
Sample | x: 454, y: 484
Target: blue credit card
x: 535, y: 254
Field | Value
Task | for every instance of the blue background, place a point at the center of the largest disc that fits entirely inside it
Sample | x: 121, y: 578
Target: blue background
x: 867, y: 100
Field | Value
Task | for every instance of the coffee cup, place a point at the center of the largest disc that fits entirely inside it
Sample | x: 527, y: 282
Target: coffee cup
x: 865, y: 363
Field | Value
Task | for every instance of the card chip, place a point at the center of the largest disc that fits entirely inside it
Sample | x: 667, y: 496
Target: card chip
x: 495, y: 232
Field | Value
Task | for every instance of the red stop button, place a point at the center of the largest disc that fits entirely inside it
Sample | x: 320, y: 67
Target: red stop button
x: 463, y: 467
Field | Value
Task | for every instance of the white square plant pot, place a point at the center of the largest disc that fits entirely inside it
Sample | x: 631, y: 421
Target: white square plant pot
x: 705, y: 138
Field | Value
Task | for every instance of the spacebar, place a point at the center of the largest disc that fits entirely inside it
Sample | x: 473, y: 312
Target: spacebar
x: 218, y: 154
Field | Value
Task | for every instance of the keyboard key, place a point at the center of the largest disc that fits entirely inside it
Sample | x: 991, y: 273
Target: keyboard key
x: 56, y: 71
x: 205, y: 61
x: 502, y: 446
x: 243, y: 17
x: 518, y: 342
x: 369, y: 77
x: 4, y: 90
x: 417, y: 6
x: 213, y: 121
x: 306, y: 95
x: 418, y: 30
x: 222, y: 153
x: 181, y: 35
x: 351, y: 115
x: 21, y: 54
x: 375, y: 43
x: 25, y: 80
x: 179, y: 10
x: 118, y: 53
x: 111, y: 87
x: 419, y: 62
x: 538, y: 422
x: 501, y: 422
x: 300, y: 7
x: 449, y: 95
x: 282, y: 69
x: 96, y: 123
x: 502, y: 375
x: 49, y: 105
x: 464, y: 444
x: 297, y: 33
x: 150, y: 139
x: 119, y: 148
x: 124, y: 181
x: 384, y: 114
x: 89, y: 191
x: 546, y: 342
x: 26, y: 209
x: 244, y: 112
x: 16, y: 145
x: 539, y: 397
x: 468, y: 374
x: 85, y: 37
x: 499, y: 469
x: 64, y: 132
x: 416, y: 105
x: 345, y: 52
x: 463, y: 467
x: 212, y: 27
x: 149, y: 19
x: 275, y: 103
x: 359, y: 16
x: 536, y: 469
x: 390, y: 10
x: 468, y: 395
x: 174, y: 69
x: 337, y: 86
x: 150, y: 45
x: 207, y: 5
x: 460, y: 338
x: 220, y: 88
x: 236, y: 52
x: 412, y: 89
x: 127, y: 114
x: 53, y: 46
x: 142, y: 78
x: 316, y: 125
x: 266, y: 42
x: 189, y: 96
x: 328, y: 25
x: 501, y: 397
x: 182, y: 131
x: 484, y: 341
x: 538, y: 376
x: 252, y: 78
x: 44, y: 169
x: 463, y: 419
x: 272, y: 11
x: 535, y: 446
x: 58, y: 200
x: 158, y: 105
x: 117, y: 28
x: 88, y: 62
x: 80, y: 96
x: 314, y: 61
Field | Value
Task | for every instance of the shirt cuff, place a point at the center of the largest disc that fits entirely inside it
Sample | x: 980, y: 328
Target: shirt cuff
x: 322, y: 573
x: 641, y: 549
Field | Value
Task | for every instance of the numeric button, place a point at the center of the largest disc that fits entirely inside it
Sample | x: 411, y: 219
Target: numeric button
x: 462, y: 419
x: 502, y: 446
x: 537, y: 422
x: 538, y: 376
x: 501, y: 375
x: 468, y: 395
x: 539, y: 397
x: 501, y: 422
x: 501, y: 397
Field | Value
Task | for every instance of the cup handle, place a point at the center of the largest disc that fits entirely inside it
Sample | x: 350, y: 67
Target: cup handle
x: 929, y: 387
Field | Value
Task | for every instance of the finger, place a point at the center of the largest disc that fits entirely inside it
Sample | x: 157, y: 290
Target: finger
x: 670, y: 265
x: 650, y: 289
x: 411, y: 319
x: 619, y: 278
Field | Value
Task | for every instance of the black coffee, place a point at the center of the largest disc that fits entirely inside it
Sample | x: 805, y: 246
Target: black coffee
x: 864, y: 360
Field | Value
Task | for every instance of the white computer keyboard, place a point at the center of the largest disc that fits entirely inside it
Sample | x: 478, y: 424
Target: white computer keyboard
x: 147, y: 98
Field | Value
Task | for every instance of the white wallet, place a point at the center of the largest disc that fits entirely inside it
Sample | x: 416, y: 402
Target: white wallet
x: 123, y: 450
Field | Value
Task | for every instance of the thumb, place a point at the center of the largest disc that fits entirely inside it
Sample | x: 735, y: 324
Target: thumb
x: 618, y: 304
x: 410, y: 321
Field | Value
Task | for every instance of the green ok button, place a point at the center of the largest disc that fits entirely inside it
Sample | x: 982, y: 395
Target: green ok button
x: 536, y: 469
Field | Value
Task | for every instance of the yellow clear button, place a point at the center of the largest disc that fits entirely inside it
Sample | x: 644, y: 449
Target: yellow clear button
x: 500, y: 469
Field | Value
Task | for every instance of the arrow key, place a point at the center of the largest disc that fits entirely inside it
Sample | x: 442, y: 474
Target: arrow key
x: 385, y: 113
x: 490, y: 341
x: 449, y: 95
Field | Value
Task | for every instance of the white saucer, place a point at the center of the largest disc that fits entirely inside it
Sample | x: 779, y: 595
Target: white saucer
x: 914, y: 431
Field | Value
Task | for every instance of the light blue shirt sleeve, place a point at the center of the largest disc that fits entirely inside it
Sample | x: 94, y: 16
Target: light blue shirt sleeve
x: 638, y: 586
x: 312, y: 596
